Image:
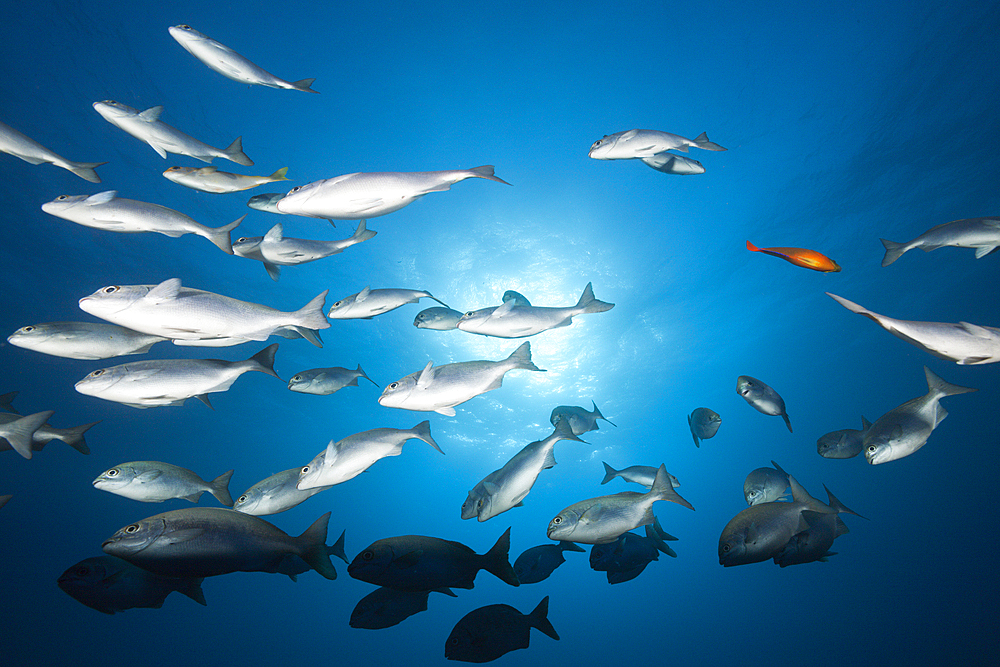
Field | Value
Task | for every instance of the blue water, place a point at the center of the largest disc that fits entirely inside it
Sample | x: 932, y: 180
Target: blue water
x: 844, y: 124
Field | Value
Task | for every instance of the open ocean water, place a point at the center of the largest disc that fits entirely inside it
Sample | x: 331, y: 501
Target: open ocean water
x: 844, y: 124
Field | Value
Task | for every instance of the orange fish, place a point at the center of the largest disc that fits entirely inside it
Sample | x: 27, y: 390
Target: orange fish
x: 808, y: 259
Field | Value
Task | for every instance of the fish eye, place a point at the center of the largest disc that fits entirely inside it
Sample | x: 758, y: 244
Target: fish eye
x: 184, y: 27
x: 28, y: 329
x: 305, y: 469
x: 479, y: 505
x: 82, y: 571
x: 132, y: 529
x: 725, y: 548
x: 368, y: 555
x: 112, y: 473
x: 598, y: 143
x: 242, y: 499
x: 62, y: 197
x: 393, y: 385
x: 557, y: 520
x: 296, y: 378
x: 469, y: 314
x: 454, y: 641
x: 111, y: 289
x: 295, y: 189
x: 872, y: 448
x: 241, y: 239
x: 337, y: 304
x: 97, y: 373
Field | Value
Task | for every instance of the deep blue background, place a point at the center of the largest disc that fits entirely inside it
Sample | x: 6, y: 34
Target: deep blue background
x: 844, y: 124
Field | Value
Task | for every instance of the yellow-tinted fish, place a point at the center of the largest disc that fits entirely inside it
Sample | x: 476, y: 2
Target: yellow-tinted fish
x: 808, y: 259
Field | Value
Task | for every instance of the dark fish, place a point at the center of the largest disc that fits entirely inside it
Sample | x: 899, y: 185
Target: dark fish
x: 538, y: 563
x: 489, y: 632
x: 578, y: 418
x: 386, y: 607
x: 110, y: 585
x: 625, y: 558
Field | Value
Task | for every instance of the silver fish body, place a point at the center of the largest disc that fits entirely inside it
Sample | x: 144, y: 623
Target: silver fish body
x: 982, y: 234
x: 368, y: 303
x: 22, y: 146
x: 438, y: 318
x: 642, y: 475
x: 843, y: 444
x: 19, y: 432
x: 579, y: 419
x: 514, y: 321
x: 704, y: 423
x: 110, y: 585
x: 762, y: 398
x: 765, y: 485
x: 275, y: 250
x: 489, y: 632
x: 82, y: 340
x: 45, y: 434
x: 210, y: 179
x: 267, y: 202
x: 669, y: 163
x: 156, y: 481
x: 325, y: 381
x: 275, y: 494
x: 645, y: 144
x: 538, y: 563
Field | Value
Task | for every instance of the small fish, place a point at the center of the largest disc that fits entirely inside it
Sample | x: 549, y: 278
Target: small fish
x: 112, y: 585
x: 807, y: 259
x: 704, y: 423
x: 669, y: 163
x: 19, y: 432
x: 45, y: 434
x: 325, y: 381
x: 108, y: 211
x: 905, y: 429
x: 386, y: 607
x: 82, y: 340
x: 646, y: 144
x: 275, y: 494
x: 983, y: 234
x: 489, y: 632
x: 642, y: 475
x: 230, y: 64
x: 538, y: 563
x: 155, y: 481
x: 146, y: 126
x: 514, y: 321
x: 367, y: 195
x: 440, y: 388
x: 765, y: 485
x: 274, y: 250
x: 625, y: 558
x: 438, y: 318
x: 19, y: 145
x: 161, y: 382
x: 210, y: 179
x: 762, y: 398
x: 965, y: 344
x: 579, y: 419
x: 368, y: 303
x: 843, y: 444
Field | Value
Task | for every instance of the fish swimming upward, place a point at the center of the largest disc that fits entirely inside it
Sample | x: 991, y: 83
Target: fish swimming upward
x: 807, y: 259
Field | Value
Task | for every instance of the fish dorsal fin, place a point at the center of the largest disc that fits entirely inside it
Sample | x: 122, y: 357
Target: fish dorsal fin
x: 865, y: 424
x: 973, y: 329
x: 504, y: 309
x: 101, y: 198
x: 800, y: 495
x: 148, y: 476
x: 165, y: 291
x: 152, y: 114
x: 275, y: 235
x: 408, y: 559
x: 362, y: 295
x: 426, y: 376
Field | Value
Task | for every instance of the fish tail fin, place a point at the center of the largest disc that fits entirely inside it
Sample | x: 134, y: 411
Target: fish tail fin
x: 279, y: 175
x: 74, y: 436
x: 85, y: 170
x: 697, y: 441
x: 314, y: 549
x: 521, y: 358
x: 609, y: 473
x: 20, y: 431
x: 486, y: 171
x: 855, y: 308
x: 6, y: 400
x: 893, y: 251
x: 941, y: 388
x: 192, y: 589
x: 751, y: 247
x: 219, y: 487
x: 305, y: 85
x: 310, y: 316
x: 701, y: 141
x: 598, y: 415
x: 497, y: 563
x: 220, y: 235
x: 662, y: 489
x: 539, y: 618
x: 263, y: 361
x: 422, y: 431
x: 839, y: 506
x: 788, y: 422
x: 362, y: 233
x: 236, y: 154
x: 337, y: 548
x: 588, y: 303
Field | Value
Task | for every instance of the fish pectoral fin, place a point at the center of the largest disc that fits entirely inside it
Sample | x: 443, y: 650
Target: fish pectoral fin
x: 985, y: 250
x: 366, y: 204
x: 592, y: 514
x: 409, y: 559
x: 193, y: 497
x: 152, y: 114
x: 426, y: 376
x: 159, y: 149
x: 148, y: 476
x: 447, y: 412
x: 181, y: 536
x: 503, y: 310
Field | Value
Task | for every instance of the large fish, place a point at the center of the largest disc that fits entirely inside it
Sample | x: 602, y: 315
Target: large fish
x: 210, y: 179
x: 843, y: 444
x: 109, y: 585
x: 230, y: 64
x: 19, y: 432
x: 579, y: 419
x: 765, y: 485
x: 45, y: 434
x: 195, y: 317
x: 19, y: 145
x: 965, y: 344
x: 160, y: 382
x: 646, y: 144
x: 156, y: 481
x: 209, y: 541
x: 108, y: 211
x: 905, y: 429
x: 325, y: 381
x: 762, y: 398
x: 275, y: 494
x: 386, y: 607
x: 538, y: 563
x: 440, y: 388
x: 489, y: 632
x: 275, y: 250
x: 146, y: 126
x: 82, y: 340
x: 704, y: 424
x: 983, y: 234
x: 368, y: 303
x: 603, y: 519
x: 515, y: 321
x: 367, y: 195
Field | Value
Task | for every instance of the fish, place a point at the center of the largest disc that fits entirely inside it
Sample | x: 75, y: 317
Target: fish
x: 82, y: 340
x: 274, y: 250
x: 209, y: 541
x: 4, y: 499
x: 762, y: 398
x: 843, y: 444
x: 579, y: 419
x: 269, y: 202
x: 438, y: 318
x: 965, y: 344
x: 162, y: 382
x: 210, y: 179
x: 420, y: 563
x: 146, y: 126
x: 112, y: 585
x: 21, y: 146
x: 439, y: 389
x: 515, y: 321
x: 275, y: 494
x: 230, y: 64
x: 660, y: 537
x: 348, y: 458
x: 765, y: 485
x: 814, y: 543
x: 156, y: 481
x: 518, y: 298
x: 486, y: 633
x: 982, y: 234
x: 807, y: 259
x: 669, y: 163
x: 368, y: 303
x: 45, y: 434
x: 19, y: 433
x: 625, y: 558
x: 507, y: 487
x: 643, y: 475
x: 367, y: 195
x: 601, y: 520
x: 645, y: 144
x: 109, y: 212
x: 199, y: 317
x: 704, y: 424
x: 325, y: 381
x: 538, y: 563
x: 905, y: 429
x: 386, y: 607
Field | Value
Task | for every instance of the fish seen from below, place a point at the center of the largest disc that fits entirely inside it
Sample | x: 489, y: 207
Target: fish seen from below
x: 762, y: 398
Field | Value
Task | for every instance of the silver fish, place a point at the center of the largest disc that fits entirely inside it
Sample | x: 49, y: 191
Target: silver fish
x: 645, y: 143
x: 275, y: 494
x: 489, y: 632
x: 348, y: 458
x: 108, y: 211
x: 513, y: 321
x: 230, y: 64
x: 983, y: 234
x: 642, y: 475
x: 367, y: 195
x: 210, y: 179
x: 368, y: 303
x: 185, y: 314
x: 82, y: 340
x: 603, y: 519
x: 579, y: 419
x: 146, y: 126
x: 538, y: 563
x: 325, y: 381
x: 45, y: 434
x: 905, y: 429
x: 19, y: 145
x: 274, y: 250
x: 704, y: 423
x: 156, y: 481
x: 669, y: 163
x: 440, y: 388
x: 160, y: 382
x: 269, y: 202
x: 765, y: 485
x: 965, y: 344
x: 762, y: 398
x: 19, y: 432
x: 386, y: 607
x: 843, y: 444
x: 438, y: 318
x: 112, y: 585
